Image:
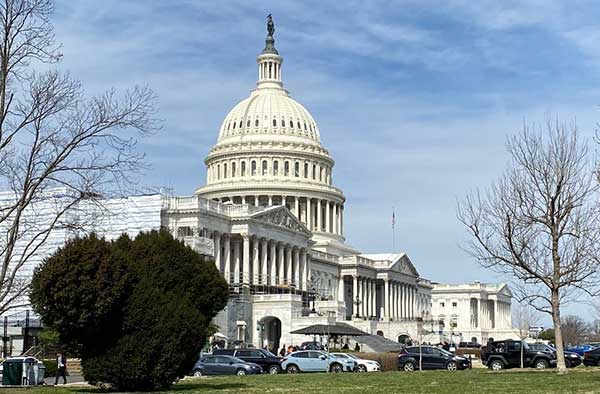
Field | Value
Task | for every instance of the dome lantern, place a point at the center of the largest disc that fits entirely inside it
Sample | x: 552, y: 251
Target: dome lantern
x: 269, y: 61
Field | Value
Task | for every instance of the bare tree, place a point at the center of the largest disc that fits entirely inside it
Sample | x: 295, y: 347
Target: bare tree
x: 523, y: 318
x: 539, y: 223
x: 52, y: 137
x: 574, y: 330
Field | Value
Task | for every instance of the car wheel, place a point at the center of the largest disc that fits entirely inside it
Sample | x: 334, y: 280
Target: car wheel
x: 409, y: 366
x: 496, y: 365
x: 336, y: 368
x: 274, y: 369
x: 541, y: 364
x: 292, y: 369
x: 451, y: 366
x: 361, y: 368
x: 568, y: 364
x: 240, y: 372
x: 198, y: 373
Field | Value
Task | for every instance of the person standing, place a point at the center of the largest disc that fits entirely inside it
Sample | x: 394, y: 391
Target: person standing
x: 61, y: 368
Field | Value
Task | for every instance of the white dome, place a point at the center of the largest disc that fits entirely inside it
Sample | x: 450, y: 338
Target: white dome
x: 268, y: 113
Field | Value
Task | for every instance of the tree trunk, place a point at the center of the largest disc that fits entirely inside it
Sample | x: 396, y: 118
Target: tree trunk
x: 560, y: 352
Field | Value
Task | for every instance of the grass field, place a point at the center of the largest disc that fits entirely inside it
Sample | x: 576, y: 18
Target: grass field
x: 582, y: 380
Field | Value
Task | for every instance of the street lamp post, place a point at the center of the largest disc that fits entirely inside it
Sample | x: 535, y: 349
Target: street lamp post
x: 357, y: 302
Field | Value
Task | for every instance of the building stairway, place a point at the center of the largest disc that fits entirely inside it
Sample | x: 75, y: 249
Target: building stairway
x: 378, y: 344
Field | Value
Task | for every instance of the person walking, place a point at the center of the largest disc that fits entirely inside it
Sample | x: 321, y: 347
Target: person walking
x: 61, y: 368
x: 282, y: 351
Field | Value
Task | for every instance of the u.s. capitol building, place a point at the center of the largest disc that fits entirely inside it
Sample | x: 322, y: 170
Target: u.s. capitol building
x: 273, y: 221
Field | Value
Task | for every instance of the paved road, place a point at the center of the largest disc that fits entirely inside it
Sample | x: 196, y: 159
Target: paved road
x: 70, y: 379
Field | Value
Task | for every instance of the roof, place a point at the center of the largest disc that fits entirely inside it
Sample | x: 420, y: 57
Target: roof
x: 330, y: 329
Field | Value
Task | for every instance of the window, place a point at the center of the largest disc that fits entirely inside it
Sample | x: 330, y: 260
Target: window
x: 301, y: 355
x: 321, y: 174
x: 248, y: 123
x: 442, y: 304
x: 274, y: 122
x: 233, y: 174
x: 282, y: 122
x: 306, y: 170
x: 298, y: 125
x: 228, y: 124
x: 304, y: 126
x: 184, y: 231
x: 314, y: 172
x: 218, y: 171
x: 297, y: 169
x: 243, y: 169
x: 256, y: 123
x: 286, y: 168
x: 454, y: 304
x: 313, y: 354
x: 275, y: 167
x: 264, y: 167
x: 291, y: 124
x: 243, y: 353
x: 225, y: 170
x: 253, y: 167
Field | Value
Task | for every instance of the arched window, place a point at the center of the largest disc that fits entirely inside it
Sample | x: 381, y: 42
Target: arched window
x: 243, y: 169
x: 304, y: 125
x: 233, y: 174
x: 264, y: 167
x: 241, y: 124
x: 248, y: 123
x: 218, y: 171
x: 291, y: 124
x: 225, y: 170
x: 253, y: 167
x: 306, y: 170
x: 286, y: 168
x: 314, y: 172
x: 297, y: 169
x: 228, y: 124
x: 275, y: 167
x: 298, y: 125
x: 311, y: 129
x: 256, y: 123
x: 321, y: 174
x: 274, y: 122
x: 282, y: 122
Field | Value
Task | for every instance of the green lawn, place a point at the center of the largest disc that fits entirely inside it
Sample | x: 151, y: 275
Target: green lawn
x: 582, y: 380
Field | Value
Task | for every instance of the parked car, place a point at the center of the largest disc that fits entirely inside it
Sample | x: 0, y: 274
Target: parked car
x: 592, y: 357
x: 311, y: 346
x: 315, y: 361
x: 581, y: 349
x: 224, y: 365
x: 362, y: 365
x: 571, y: 359
x: 269, y: 362
x: 499, y: 355
x: 469, y: 345
x: 431, y: 358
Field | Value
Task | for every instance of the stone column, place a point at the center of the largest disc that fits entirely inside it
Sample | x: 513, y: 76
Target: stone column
x: 236, y: 262
x: 334, y: 218
x: 281, y: 259
x: 339, y: 218
x: 309, y: 218
x: 217, y: 250
x: 386, y: 298
x: 297, y: 207
x: 273, y: 262
x: 270, y: 200
x: 243, y: 200
x: 354, y: 294
x: 308, y: 269
x: 361, y: 296
x: 296, y: 267
x: 342, y: 221
x: 265, y: 258
x: 319, y: 212
x: 327, y: 216
x: 246, y: 260
x: 288, y: 265
x: 341, y: 289
x: 304, y: 265
x: 255, y: 262
x: 256, y: 201
x: 227, y: 258
x: 405, y: 301
x: 374, y: 296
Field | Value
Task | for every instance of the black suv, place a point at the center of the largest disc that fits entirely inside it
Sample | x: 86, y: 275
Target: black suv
x: 431, y: 358
x: 498, y: 355
x: 267, y: 360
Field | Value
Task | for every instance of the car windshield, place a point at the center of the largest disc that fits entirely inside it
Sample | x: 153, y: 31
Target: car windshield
x: 445, y: 352
x: 237, y: 360
x: 267, y: 353
x: 352, y: 356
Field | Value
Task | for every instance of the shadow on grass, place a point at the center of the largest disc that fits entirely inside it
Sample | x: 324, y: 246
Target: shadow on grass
x: 199, y: 387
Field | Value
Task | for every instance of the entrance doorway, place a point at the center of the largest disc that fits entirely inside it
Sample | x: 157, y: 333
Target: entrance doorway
x: 403, y: 338
x: 270, y: 333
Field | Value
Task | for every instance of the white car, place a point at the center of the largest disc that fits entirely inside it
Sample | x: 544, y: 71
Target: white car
x: 362, y: 365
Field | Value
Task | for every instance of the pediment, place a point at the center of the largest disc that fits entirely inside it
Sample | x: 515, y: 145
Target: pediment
x: 404, y: 265
x: 281, y: 216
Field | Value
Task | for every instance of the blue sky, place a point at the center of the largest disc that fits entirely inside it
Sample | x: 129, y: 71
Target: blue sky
x: 414, y: 99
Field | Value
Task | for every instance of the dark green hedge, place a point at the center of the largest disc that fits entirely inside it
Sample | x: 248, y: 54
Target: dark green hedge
x: 135, y: 311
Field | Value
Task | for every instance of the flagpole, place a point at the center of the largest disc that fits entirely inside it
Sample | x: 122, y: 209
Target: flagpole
x: 393, y: 230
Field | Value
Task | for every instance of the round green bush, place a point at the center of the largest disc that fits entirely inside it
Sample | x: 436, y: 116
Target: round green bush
x: 136, y: 311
